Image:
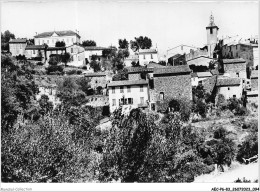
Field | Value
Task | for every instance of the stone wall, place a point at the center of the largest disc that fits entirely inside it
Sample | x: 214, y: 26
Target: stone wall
x: 134, y: 76
x: 234, y: 68
x: 174, y: 86
x: 254, y: 84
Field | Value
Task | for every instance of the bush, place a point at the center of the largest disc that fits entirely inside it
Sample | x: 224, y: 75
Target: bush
x: 241, y: 111
x: 221, y: 102
x: 200, y: 107
x: 79, y: 72
x: 39, y: 63
x: 54, y: 68
x: 248, y: 148
x: 71, y: 72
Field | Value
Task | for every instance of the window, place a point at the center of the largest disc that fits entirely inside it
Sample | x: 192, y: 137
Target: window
x: 236, y: 46
x: 96, y: 82
x: 144, y: 56
x: 130, y: 101
x: 142, y: 100
x: 113, y: 102
x: 128, y: 89
x: 237, y: 74
x: 243, y: 81
x: 71, y: 50
x: 122, y: 89
x: 113, y: 89
x: 151, y: 56
x: 234, y: 96
x: 211, y: 31
x: 141, y: 88
x: 47, y: 41
x: 230, y: 48
x: 228, y: 88
x: 161, y: 96
x: 33, y: 51
x: 237, y: 54
x: 181, y: 47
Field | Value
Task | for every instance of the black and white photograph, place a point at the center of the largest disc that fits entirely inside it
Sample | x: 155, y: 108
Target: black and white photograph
x: 129, y: 95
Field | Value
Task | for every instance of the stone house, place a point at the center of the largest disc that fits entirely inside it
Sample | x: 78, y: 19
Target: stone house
x: 51, y: 51
x: 36, y: 51
x: 176, y: 60
x: 94, y: 50
x: 77, y: 53
x: 99, y: 81
x: 147, y: 55
x: 254, y: 80
x: 171, y: 83
x: 230, y: 87
x: 17, y: 46
x: 49, y: 89
x: 238, y: 50
x: 235, y: 68
x: 138, y: 73
x: 180, y: 49
x: 50, y: 38
x: 128, y: 94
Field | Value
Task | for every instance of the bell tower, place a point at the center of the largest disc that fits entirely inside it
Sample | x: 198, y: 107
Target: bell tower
x: 212, y: 35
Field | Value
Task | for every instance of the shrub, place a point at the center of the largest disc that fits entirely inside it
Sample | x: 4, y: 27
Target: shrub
x: 79, y: 72
x: 54, y: 68
x: 71, y: 72
x: 221, y: 102
x: 220, y: 133
x: 200, y: 107
x: 248, y: 148
x: 39, y: 63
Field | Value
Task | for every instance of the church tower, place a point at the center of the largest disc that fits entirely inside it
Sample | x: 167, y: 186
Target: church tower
x: 212, y: 35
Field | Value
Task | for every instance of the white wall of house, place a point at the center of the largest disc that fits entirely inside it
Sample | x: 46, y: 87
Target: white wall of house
x: 256, y: 56
x: 17, y: 48
x: 135, y: 93
x: 146, y: 58
x: 89, y: 53
x: 77, y: 54
x: 230, y: 91
x: 50, y: 41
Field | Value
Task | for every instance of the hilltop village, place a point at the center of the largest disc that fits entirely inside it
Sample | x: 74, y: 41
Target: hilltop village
x: 73, y: 111
x: 139, y: 78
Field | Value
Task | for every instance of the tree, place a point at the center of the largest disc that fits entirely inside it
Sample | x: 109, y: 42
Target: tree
x: 60, y: 44
x: 123, y: 44
x: 95, y: 66
x: 141, y: 43
x: 121, y: 75
x: 89, y: 43
x: 5, y: 38
x: 135, y: 64
x: 65, y: 58
x: 30, y: 41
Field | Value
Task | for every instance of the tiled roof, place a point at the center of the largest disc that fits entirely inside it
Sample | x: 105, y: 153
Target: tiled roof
x: 90, y: 48
x: 204, y: 74
x: 59, y: 33
x: 55, y: 48
x: 228, y: 81
x: 231, y: 61
x: 154, y: 65
x: 33, y: 47
x: 18, y: 40
x: 121, y: 83
x: 254, y: 74
x: 98, y: 74
x: 138, y: 69
x: 172, y: 69
x: 143, y: 51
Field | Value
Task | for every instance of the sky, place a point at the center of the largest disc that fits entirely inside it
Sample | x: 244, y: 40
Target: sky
x: 167, y: 23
